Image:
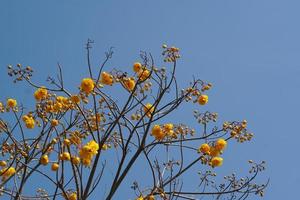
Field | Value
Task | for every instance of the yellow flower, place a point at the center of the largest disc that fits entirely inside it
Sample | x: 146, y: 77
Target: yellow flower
x: 137, y: 67
x: 220, y: 144
x: 104, y: 147
x: 216, y: 161
x: 87, y: 152
x: 75, y: 99
x: 140, y: 198
x: 44, y: 160
x: 11, y: 103
x: 86, y: 162
x: 214, y: 152
x: 3, y: 163
x: 204, y: 148
x: 72, y: 196
x: 65, y: 156
x: 203, y: 99
x: 129, y: 83
x: 168, y: 127
x: 29, y: 121
x: 106, y: 78
x: 75, y: 160
x: 54, y: 122
x: 151, y: 197
x: 54, y: 166
x: 7, y: 172
x: 40, y: 93
x: 143, y: 74
x: 87, y: 85
x: 67, y: 142
x: 148, y: 109
x: 157, y: 132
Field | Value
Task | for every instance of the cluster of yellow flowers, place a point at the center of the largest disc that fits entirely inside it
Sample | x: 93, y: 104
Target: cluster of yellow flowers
x: 213, y: 152
x: 87, y: 85
x: 87, y: 152
x: 29, y: 121
x: 142, y: 72
x: 129, y: 83
x: 41, y: 93
x: 106, y: 78
x: 7, y: 172
x: 11, y: 104
x: 161, y: 132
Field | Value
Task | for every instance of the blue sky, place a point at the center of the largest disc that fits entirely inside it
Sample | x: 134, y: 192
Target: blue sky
x: 248, y: 49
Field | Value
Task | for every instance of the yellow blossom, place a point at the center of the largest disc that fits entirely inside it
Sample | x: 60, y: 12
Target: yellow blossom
x: 7, y: 172
x: 129, y: 83
x: 214, y: 152
x: 44, y: 160
x: 151, y: 197
x: 148, y: 109
x: 204, y: 148
x: 3, y: 163
x: 216, y: 161
x: 87, y: 152
x: 40, y: 93
x: 143, y: 74
x: 65, y: 156
x: 54, y: 122
x: 157, y: 132
x: 203, y: 99
x: 140, y: 198
x: 220, y: 144
x: 11, y: 103
x: 72, y: 196
x: 67, y: 142
x: 54, y: 166
x: 75, y: 160
x: 168, y: 127
x: 87, y: 85
x: 106, y: 78
x: 29, y: 121
x: 75, y: 99
x: 137, y: 67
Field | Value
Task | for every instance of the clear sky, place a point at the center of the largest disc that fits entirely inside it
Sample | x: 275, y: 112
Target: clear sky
x: 249, y: 50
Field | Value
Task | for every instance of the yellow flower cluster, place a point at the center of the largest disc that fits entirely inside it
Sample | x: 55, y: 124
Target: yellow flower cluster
x: 29, y: 121
x: 213, y: 152
x: 129, y: 83
x: 7, y: 172
x: 107, y: 78
x: 87, y: 85
x: 41, y: 93
x: 160, y: 132
x: 142, y: 72
x: 60, y: 104
x: 87, y: 152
